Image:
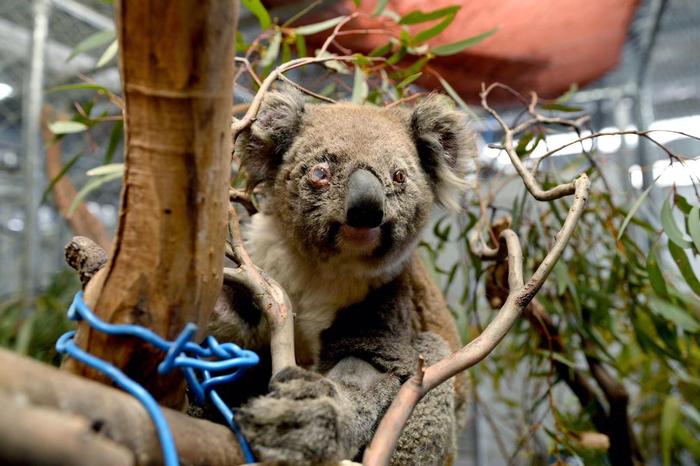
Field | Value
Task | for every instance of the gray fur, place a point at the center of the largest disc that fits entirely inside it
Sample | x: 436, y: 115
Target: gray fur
x: 357, y: 327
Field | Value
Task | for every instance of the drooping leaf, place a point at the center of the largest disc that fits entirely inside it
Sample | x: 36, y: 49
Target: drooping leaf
x: 674, y: 313
x: 77, y: 86
x: 89, y: 187
x: 309, y: 29
x: 115, y: 136
x: 656, y: 278
x: 108, y: 54
x: 256, y: 7
x: 273, y: 50
x: 456, y: 47
x: 408, y: 80
x: 379, y: 9
x: 681, y: 260
x: 670, y: 417
x: 66, y: 127
x: 360, y: 89
x: 396, y: 56
x: 562, y: 108
x: 94, y: 41
x: 452, y: 93
x: 431, y: 32
x: 694, y: 226
x: 301, y: 46
x: 416, y: 17
x: 286, y: 52
x: 671, y: 228
x: 381, y: 50
x: 60, y: 175
x: 108, y: 169
x: 635, y: 207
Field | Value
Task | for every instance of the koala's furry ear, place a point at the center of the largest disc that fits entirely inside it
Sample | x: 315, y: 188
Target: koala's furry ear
x: 262, y: 145
x: 445, y: 146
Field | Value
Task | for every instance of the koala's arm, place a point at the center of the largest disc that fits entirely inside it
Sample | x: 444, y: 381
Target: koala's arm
x: 319, y: 418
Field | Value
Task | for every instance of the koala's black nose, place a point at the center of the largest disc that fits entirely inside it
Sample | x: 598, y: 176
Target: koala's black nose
x: 364, y: 203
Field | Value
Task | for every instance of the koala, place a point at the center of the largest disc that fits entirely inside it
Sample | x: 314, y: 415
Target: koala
x: 348, y: 190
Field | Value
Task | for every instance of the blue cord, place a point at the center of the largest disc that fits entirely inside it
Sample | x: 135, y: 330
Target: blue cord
x: 183, y: 354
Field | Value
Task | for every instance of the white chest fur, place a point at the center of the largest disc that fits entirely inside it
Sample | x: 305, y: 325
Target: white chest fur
x: 317, y: 290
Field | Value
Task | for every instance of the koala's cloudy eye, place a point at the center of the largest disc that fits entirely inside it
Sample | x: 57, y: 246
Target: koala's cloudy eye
x: 320, y: 175
x: 399, y: 177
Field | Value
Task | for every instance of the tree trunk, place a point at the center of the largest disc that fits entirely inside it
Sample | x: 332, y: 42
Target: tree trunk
x: 165, y: 269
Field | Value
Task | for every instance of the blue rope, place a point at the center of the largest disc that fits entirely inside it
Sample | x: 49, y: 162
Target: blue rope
x: 230, y: 364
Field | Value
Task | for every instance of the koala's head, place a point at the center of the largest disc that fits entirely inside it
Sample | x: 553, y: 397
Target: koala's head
x: 355, y: 183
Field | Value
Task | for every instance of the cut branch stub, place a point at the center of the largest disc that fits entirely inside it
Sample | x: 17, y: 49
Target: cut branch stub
x: 166, y: 265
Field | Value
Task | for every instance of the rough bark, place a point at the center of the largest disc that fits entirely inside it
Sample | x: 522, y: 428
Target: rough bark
x: 108, y: 420
x: 165, y: 269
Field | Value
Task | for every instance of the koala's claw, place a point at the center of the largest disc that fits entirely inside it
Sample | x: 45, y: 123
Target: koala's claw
x: 298, y: 422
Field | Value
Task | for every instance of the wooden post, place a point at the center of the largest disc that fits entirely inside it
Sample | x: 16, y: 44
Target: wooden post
x: 165, y: 268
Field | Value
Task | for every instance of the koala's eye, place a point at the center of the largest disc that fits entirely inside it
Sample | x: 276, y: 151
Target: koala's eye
x: 399, y: 177
x: 320, y: 175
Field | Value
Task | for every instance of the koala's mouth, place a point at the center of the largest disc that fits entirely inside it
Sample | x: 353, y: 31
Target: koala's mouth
x: 359, y: 238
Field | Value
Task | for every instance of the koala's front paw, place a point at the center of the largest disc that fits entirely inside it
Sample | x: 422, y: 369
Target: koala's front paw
x: 299, y: 422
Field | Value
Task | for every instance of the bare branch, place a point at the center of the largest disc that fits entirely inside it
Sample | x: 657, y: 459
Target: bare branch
x: 270, y: 297
x: 307, y: 91
x: 243, y: 198
x: 519, y: 296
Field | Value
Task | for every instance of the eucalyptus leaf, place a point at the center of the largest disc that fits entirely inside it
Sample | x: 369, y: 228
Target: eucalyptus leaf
x: 107, y: 169
x: 635, y: 207
x: 681, y: 260
x: 408, y: 80
x: 115, y: 137
x: 315, y: 28
x: 77, y: 86
x: 94, y: 41
x: 416, y: 17
x: 674, y: 313
x: 452, y: 93
x: 66, y: 127
x: 670, y: 418
x: 557, y: 107
x: 301, y: 46
x: 433, y: 31
x: 273, y: 50
x: 256, y: 7
x: 379, y: 9
x: 456, y: 47
x: 108, y: 54
x: 360, y: 89
x: 89, y: 187
x: 60, y: 175
x: 671, y: 228
x: 656, y: 278
x: 694, y: 226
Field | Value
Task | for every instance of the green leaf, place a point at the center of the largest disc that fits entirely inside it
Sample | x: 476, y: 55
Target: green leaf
x: 416, y: 17
x: 309, y: 29
x: 273, y: 50
x: 381, y: 50
x: 357, y: 3
x: 433, y: 31
x: 562, y: 108
x: 71, y: 87
x: 286, y: 52
x: 108, y: 169
x: 670, y: 417
x: 656, y: 278
x: 92, y: 42
x: 241, y: 44
x: 456, y: 47
x: 256, y: 7
x: 379, y: 9
x: 89, y: 187
x: 115, y: 137
x: 301, y: 46
x: 396, y: 56
x: 521, y: 148
x: 408, y: 80
x: 108, y: 54
x: 60, y: 175
x: 686, y: 269
x: 635, y: 207
x: 671, y: 227
x: 452, y: 93
x: 360, y: 89
x: 673, y: 313
x: 694, y: 226
x: 66, y: 127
